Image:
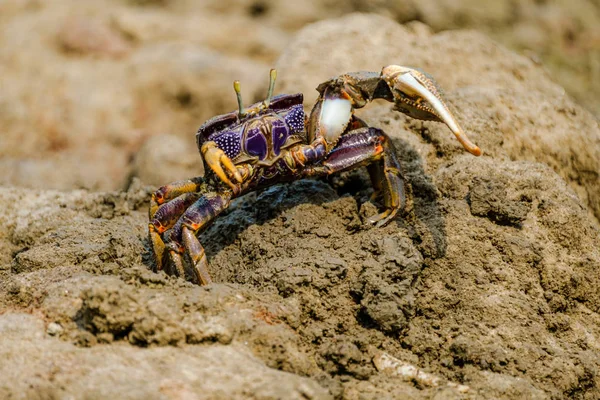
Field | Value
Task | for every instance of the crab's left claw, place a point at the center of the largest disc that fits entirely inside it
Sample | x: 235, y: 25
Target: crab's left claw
x: 220, y: 164
x: 419, y: 96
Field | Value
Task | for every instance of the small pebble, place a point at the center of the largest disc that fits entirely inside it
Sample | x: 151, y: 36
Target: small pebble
x: 54, y: 329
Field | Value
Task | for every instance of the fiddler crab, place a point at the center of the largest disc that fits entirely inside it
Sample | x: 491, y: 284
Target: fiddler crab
x: 272, y: 142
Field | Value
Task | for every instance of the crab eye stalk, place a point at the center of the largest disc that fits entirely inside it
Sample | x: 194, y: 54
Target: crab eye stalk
x: 272, y: 77
x: 238, y: 93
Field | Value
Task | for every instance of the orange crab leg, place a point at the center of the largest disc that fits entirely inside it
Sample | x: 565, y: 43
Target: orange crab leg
x: 166, y: 201
x: 195, y: 219
x: 173, y: 190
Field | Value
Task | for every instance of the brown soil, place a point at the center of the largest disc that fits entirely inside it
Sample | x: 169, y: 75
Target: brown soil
x: 488, y: 282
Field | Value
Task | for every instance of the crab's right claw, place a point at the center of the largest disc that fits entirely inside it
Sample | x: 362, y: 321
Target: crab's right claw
x: 418, y: 95
x: 219, y: 162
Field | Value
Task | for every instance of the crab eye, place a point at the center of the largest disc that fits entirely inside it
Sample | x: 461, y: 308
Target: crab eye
x: 295, y: 119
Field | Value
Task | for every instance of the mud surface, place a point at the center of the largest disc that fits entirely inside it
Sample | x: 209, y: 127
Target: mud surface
x: 490, y: 280
x: 488, y: 283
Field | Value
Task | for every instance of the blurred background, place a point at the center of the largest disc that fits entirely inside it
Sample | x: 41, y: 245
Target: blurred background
x: 94, y: 93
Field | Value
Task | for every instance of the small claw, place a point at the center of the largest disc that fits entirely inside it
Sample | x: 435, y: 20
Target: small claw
x: 226, y: 161
x: 216, y: 158
x: 419, y: 95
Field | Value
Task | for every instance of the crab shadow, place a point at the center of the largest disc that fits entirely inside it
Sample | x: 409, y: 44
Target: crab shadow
x: 422, y: 219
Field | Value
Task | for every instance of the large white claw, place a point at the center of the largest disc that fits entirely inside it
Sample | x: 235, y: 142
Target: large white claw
x: 416, y: 84
x: 335, y: 116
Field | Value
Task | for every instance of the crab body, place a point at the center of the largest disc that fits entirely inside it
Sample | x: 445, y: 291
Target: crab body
x: 260, y: 138
x: 273, y: 141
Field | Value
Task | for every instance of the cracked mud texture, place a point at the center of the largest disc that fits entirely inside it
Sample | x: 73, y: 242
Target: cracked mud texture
x: 489, y: 279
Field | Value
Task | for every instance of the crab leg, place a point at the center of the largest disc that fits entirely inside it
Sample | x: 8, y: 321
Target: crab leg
x: 376, y: 172
x: 163, y: 219
x: 372, y: 147
x: 176, y: 257
x: 166, y: 203
x: 167, y: 214
x: 195, y: 219
x: 173, y: 190
x: 158, y: 247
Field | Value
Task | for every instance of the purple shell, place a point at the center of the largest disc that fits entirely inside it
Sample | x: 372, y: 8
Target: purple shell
x: 228, y: 141
x: 256, y: 144
x: 295, y: 118
x: 280, y: 134
x: 285, y: 101
x: 214, y: 126
x: 227, y: 130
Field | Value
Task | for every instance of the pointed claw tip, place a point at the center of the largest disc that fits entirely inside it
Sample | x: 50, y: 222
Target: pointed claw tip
x: 467, y: 144
x: 476, y: 151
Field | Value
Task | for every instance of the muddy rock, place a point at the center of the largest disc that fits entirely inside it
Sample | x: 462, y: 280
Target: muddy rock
x: 490, y: 199
x: 60, y: 369
x: 508, y: 310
